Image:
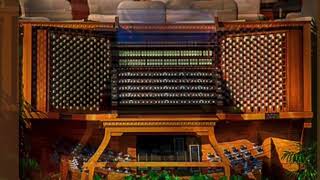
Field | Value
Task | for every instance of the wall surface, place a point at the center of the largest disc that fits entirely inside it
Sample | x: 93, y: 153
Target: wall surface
x: 318, y: 88
x: 317, y: 5
x: 313, y: 9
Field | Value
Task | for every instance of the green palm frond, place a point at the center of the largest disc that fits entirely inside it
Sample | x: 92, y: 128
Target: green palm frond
x: 152, y: 175
x: 223, y: 178
x: 201, y: 177
x: 306, y: 159
x: 97, y: 177
x: 27, y: 164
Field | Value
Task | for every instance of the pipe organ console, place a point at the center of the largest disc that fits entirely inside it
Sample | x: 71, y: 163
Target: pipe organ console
x: 168, y: 78
x: 138, y: 71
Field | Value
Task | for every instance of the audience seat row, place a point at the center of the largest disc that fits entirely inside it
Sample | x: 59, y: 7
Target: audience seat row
x: 151, y: 11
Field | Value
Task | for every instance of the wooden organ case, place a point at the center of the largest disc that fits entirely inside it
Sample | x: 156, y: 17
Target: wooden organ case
x: 167, y: 78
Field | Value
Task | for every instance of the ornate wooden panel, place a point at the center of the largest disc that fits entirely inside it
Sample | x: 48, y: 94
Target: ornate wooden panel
x: 41, y: 79
x: 254, y: 67
x: 79, y: 75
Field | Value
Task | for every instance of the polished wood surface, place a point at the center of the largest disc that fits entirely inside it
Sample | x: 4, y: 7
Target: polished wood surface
x: 295, y: 70
x: 36, y: 116
x: 42, y: 70
x: 27, y: 62
x: 307, y: 70
x: 280, y: 146
x: 70, y: 24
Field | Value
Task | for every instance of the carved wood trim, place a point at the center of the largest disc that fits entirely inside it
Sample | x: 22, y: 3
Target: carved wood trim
x: 209, y: 27
x: 219, y: 151
x: 219, y: 117
x: 157, y: 123
x: 225, y: 26
x: 42, y: 70
x: 90, y: 165
x: 93, y: 163
x: 27, y: 60
x: 71, y: 25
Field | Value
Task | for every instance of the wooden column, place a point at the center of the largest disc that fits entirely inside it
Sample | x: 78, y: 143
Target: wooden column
x: 317, y: 116
x: 9, y: 133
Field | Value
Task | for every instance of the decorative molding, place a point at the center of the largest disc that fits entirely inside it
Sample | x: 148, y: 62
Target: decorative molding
x: 71, y: 25
x: 156, y: 124
x: 41, y: 63
x: 170, y: 27
x: 232, y: 26
x: 105, y: 118
x: 226, y: 26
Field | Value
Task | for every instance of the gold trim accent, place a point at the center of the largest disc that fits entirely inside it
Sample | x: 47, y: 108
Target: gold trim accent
x: 159, y: 123
x: 170, y: 27
x: 206, y: 27
x: 72, y: 25
x: 232, y: 26
x: 160, y: 164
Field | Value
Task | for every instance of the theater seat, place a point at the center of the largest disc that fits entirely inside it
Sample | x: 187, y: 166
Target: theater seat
x: 103, y: 11
x: 249, y: 10
x: 225, y: 10
x: 40, y: 10
x: 163, y: 11
x: 149, y: 12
